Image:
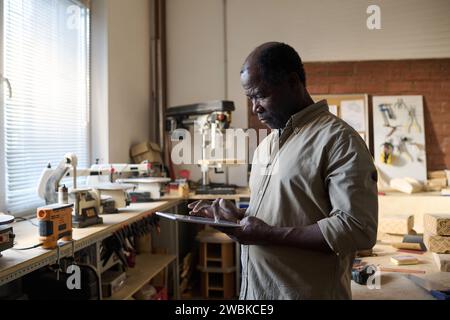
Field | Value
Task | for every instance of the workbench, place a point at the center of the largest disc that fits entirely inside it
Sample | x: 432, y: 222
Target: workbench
x: 15, y: 264
x: 394, y: 286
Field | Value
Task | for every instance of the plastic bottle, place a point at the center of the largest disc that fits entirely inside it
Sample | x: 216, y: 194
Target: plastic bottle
x: 63, y: 195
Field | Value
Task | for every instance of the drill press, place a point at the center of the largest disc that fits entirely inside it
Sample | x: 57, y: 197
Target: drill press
x: 209, y: 119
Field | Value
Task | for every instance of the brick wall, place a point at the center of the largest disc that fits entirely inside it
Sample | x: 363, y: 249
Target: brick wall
x: 430, y: 78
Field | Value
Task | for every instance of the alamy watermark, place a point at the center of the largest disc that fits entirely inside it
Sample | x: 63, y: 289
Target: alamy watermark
x: 374, y: 20
x: 73, y: 282
x: 73, y: 17
x: 243, y: 147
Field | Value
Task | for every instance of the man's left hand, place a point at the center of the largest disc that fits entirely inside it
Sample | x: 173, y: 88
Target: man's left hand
x: 252, y: 231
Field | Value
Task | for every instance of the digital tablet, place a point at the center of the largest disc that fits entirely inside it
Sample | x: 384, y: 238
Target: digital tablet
x: 200, y: 220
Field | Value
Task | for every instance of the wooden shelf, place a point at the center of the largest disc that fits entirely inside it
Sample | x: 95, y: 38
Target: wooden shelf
x: 216, y: 288
x: 147, y: 267
x: 214, y: 259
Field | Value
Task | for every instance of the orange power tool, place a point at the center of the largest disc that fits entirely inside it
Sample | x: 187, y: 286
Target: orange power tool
x: 55, y: 222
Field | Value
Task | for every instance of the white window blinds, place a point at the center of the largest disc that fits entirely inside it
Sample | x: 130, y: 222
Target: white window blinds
x: 46, y: 60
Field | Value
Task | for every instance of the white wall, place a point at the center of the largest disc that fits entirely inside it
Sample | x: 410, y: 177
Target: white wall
x: 326, y: 30
x: 99, y: 81
x: 195, y: 51
x: 121, y: 77
x: 330, y: 30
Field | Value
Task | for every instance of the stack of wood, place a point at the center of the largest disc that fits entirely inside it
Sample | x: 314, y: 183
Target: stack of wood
x: 437, y: 238
x: 393, y: 228
x: 437, y: 180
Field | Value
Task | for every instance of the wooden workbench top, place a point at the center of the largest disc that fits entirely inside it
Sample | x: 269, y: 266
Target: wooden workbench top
x: 394, y: 286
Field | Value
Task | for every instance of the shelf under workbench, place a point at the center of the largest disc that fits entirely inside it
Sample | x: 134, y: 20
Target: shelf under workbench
x: 147, y: 267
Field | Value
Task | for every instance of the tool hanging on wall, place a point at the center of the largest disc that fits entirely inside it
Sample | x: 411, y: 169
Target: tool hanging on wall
x: 402, y: 148
x: 412, y: 119
x: 400, y: 104
x: 387, y: 153
x: 419, y: 149
x: 388, y: 114
x: 413, y: 123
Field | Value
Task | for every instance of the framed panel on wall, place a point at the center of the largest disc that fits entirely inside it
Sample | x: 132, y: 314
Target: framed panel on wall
x: 399, y: 137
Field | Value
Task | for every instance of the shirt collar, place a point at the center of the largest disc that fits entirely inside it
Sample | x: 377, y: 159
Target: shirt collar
x: 303, y: 116
x: 300, y: 119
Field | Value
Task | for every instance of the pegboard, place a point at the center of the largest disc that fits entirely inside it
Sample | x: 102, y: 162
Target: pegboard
x: 399, y: 137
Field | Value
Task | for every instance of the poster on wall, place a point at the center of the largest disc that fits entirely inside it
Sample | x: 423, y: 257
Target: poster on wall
x: 399, y: 137
x: 353, y: 112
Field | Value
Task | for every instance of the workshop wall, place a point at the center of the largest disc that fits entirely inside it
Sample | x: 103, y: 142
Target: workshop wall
x: 121, y: 97
x: 326, y: 30
x: 429, y: 77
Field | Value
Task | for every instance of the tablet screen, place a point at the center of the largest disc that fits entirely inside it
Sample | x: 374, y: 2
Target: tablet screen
x: 200, y: 220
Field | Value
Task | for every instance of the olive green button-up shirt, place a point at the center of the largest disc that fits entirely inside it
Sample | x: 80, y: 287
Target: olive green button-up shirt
x: 317, y: 170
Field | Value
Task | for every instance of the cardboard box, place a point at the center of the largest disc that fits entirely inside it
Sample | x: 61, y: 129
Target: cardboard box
x: 146, y: 151
x: 438, y: 224
x: 442, y: 261
x: 396, y: 224
x: 437, y: 244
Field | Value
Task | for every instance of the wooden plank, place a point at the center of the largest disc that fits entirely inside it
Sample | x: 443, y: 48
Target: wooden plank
x: 417, y: 204
x: 147, y: 267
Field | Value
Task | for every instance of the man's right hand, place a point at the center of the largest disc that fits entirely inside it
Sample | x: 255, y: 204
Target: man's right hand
x: 224, y: 209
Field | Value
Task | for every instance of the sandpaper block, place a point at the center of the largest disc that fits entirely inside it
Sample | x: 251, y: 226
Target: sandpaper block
x: 415, y: 239
x: 411, y: 242
x: 404, y: 260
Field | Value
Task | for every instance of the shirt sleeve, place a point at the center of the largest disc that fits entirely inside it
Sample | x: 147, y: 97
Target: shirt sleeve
x: 351, y: 178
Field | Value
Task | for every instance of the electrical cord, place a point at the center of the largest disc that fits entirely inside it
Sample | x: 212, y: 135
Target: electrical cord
x: 29, y: 248
x: 34, y: 224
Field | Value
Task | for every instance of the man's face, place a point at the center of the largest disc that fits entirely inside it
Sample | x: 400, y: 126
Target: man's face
x: 273, y: 104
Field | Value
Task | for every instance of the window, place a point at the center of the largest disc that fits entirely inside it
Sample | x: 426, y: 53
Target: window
x: 46, y: 62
